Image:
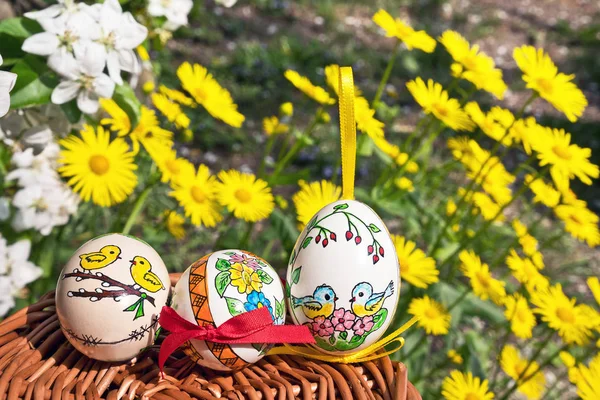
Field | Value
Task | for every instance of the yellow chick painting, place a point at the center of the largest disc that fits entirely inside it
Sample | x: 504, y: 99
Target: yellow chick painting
x: 100, y: 259
x: 143, y: 276
x: 365, y: 302
x: 320, y: 304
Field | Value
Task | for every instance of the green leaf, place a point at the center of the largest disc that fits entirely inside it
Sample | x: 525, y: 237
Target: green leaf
x: 264, y: 277
x: 72, y: 112
x: 374, y: 228
x: 279, y: 309
x: 13, y: 32
x: 125, y: 97
x: 235, y: 306
x: 222, y: 280
x: 285, y: 227
x: 342, y: 206
x: 223, y: 265
x: 288, y: 290
x: 343, y: 335
x: 230, y: 253
x: 35, y: 82
x: 306, y: 242
x: 292, y: 257
x: 296, y: 275
x: 332, y: 339
x: 356, y: 339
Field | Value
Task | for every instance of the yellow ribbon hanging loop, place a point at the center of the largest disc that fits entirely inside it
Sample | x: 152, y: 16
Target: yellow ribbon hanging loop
x: 347, y: 131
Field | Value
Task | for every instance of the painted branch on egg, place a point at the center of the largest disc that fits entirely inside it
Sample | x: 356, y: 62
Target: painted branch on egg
x: 107, y: 281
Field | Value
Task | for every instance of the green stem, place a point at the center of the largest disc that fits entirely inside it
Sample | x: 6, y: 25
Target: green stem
x: 137, y: 209
x: 224, y: 225
x: 458, y: 299
x: 386, y: 74
x: 246, y: 237
x: 416, y: 346
x: 268, y: 148
x: 430, y: 120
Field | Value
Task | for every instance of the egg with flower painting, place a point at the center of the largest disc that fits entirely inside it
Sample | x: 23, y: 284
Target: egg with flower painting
x: 343, y: 278
x: 109, y: 296
x: 218, y: 287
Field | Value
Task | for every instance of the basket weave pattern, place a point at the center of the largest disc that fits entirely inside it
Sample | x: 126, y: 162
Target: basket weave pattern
x: 36, y: 361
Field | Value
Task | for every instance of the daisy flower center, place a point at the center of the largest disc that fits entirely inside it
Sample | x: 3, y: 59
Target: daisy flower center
x: 405, y: 266
x: 440, y: 109
x: 99, y: 164
x: 472, y: 396
x: 545, y: 85
x: 198, y: 194
x: 575, y: 219
x: 246, y: 278
x: 562, y: 152
x: 521, y: 315
x: 565, y: 315
x: 469, y: 62
x: 432, y: 313
x: 483, y: 279
x: 200, y: 94
x: 243, y: 195
x: 259, y: 305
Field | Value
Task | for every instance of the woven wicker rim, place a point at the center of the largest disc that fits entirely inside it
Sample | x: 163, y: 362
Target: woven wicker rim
x: 36, y: 361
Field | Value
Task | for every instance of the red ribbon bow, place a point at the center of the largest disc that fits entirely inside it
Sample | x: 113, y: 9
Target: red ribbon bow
x: 254, y: 326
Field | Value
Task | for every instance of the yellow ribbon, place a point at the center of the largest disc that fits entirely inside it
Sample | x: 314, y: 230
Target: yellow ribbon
x: 368, y: 353
x: 347, y: 131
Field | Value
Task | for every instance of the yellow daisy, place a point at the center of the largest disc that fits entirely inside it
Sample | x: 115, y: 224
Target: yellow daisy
x: 171, y: 167
x: 312, y: 197
x: 566, y: 160
x: 272, y: 126
x: 569, y: 361
x: 176, y: 96
x: 433, y: 316
x: 588, y: 384
x: 286, y: 109
x: 119, y: 120
x: 174, y: 222
x: 450, y: 208
x: 435, y: 100
x: 494, y: 123
x: 580, y: 222
x: 594, y: 284
x: 454, y: 356
x: 97, y: 168
x: 399, y: 29
x: 244, y: 278
x: 403, y: 183
x: 520, y: 368
x: 490, y: 210
x: 493, y: 177
x: 460, y: 386
x: 465, y: 150
x: 519, y: 227
x: 171, y: 111
x: 391, y: 150
x: 527, y: 132
x: 570, y: 320
x: 207, y: 92
x: 484, y: 285
x: 196, y: 193
x: 244, y: 195
x: 544, y: 193
x: 522, y: 320
x: 526, y: 272
x: 415, y: 267
x: 303, y: 84
x: 473, y: 65
x: 541, y: 75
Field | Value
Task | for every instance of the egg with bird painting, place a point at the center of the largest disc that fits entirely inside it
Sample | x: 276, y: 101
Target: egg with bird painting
x: 218, y: 287
x: 343, y: 278
x: 109, y: 297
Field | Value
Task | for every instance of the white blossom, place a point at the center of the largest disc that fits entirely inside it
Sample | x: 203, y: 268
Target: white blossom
x: 34, y: 169
x: 85, y: 81
x: 7, y: 82
x: 4, y: 208
x: 63, y: 37
x: 64, y: 7
x: 176, y: 11
x: 16, y: 271
x: 226, y: 3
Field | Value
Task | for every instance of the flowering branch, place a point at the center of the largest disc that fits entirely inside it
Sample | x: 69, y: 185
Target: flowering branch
x: 99, y: 293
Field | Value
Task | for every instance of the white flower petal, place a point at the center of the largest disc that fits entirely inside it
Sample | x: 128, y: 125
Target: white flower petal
x: 88, y: 102
x: 131, y: 32
x: 49, y: 12
x: 19, y: 251
x: 4, y: 103
x: 65, y: 92
x: 42, y: 44
x: 156, y: 9
x: 64, y: 64
x: 128, y: 61
x: 104, y: 86
x: 114, y: 68
x: 24, y: 273
x: 93, y: 60
x: 84, y: 26
x: 4, y: 208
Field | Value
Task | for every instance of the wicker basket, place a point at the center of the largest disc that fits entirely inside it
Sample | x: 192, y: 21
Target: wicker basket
x: 36, y: 361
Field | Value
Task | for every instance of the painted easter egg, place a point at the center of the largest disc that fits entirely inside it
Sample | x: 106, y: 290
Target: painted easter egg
x: 343, y: 277
x: 222, y: 285
x: 109, y: 297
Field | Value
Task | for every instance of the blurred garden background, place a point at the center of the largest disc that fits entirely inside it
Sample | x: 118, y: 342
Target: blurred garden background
x: 494, y: 215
